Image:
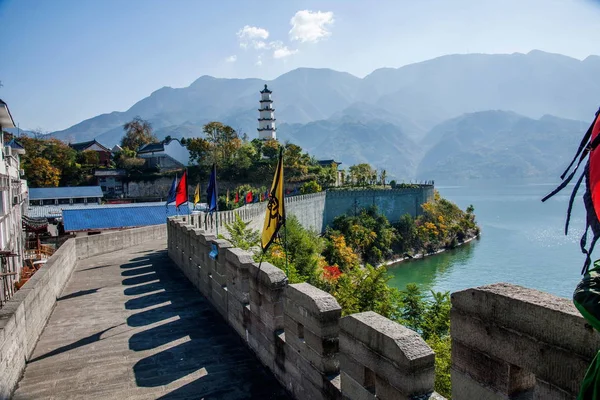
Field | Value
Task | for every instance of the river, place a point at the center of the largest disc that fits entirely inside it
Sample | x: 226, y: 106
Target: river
x: 522, y: 240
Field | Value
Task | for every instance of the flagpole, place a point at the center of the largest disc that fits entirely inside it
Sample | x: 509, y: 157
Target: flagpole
x: 217, y: 202
x: 187, y: 194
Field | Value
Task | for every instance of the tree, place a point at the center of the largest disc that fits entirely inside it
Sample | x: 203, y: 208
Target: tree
x: 362, y: 174
x: 240, y: 235
x: 138, y: 132
x: 310, y: 187
x: 382, y: 176
x: 223, y: 142
x: 40, y: 173
x: 199, y: 149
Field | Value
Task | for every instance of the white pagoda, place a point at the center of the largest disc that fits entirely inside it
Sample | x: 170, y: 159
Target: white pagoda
x: 266, y: 118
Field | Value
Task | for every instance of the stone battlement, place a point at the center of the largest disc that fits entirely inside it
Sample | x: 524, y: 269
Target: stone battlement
x: 508, y: 342
x: 297, y: 330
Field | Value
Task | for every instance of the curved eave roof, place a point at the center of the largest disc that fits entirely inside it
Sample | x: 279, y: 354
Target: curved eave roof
x: 6, y: 120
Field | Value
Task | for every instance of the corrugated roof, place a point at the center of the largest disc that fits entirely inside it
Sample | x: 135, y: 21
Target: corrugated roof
x: 74, y: 192
x: 56, y: 210
x: 118, y: 217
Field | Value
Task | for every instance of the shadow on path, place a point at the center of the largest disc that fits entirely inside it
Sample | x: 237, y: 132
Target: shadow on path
x: 194, y: 349
x: 78, y: 293
x: 81, y: 342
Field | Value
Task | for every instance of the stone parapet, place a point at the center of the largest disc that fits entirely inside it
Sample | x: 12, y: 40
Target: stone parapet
x: 510, y: 341
x: 296, y: 330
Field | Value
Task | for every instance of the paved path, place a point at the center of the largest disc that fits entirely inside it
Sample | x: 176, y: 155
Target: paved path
x: 130, y: 326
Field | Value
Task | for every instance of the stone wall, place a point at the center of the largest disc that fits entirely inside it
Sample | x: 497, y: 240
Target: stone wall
x: 24, y: 316
x: 297, y: 330
x: 318, y: 210
x: 511, y: 342
x: 393, y: 203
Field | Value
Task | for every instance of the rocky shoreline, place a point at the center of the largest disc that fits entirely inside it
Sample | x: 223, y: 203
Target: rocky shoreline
x: 423, y: 255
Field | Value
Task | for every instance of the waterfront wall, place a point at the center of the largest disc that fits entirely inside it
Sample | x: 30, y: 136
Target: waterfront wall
x: 297, y: 330
x: 508, y: 342
x: 392, y: 203
x: 318, y: 210
x: 24, y: 316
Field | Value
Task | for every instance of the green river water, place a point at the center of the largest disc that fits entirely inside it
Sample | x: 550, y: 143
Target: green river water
x: 522, y: 240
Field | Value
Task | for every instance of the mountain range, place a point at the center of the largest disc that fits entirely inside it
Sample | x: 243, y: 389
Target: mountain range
x: 456, y: 116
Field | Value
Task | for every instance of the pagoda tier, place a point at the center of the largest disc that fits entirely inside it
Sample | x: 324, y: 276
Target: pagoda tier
x: 267, y: 119
x: 266, y: 109
x: 265, y: 90
x: 266, y: 101
x: 266, y: 129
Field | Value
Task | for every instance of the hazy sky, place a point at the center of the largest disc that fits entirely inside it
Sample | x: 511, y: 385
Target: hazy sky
x: 67, y: 60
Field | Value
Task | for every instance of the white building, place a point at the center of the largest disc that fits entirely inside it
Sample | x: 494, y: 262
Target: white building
x: 266, y: 118
x: 168, y: 154
x: 13, y: 203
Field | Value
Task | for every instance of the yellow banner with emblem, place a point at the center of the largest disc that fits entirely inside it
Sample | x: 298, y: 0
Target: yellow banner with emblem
x: 275, y: 216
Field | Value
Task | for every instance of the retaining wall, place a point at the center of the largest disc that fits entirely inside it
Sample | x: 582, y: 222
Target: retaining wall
x: 297, y: 330
x: 24, y: 316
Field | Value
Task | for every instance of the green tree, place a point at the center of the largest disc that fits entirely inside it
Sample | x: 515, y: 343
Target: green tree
x: 383, y: 176
x: 310, y: 187
x: 240, y: 235
x: 362, y: 174
x: 414, y: 307
x: 138, y: 132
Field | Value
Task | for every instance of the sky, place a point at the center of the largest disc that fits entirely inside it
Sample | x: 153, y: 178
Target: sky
x: 64, y: 61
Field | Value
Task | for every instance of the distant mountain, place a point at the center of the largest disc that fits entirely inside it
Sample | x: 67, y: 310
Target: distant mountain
x: 499, y: 144
x: 377, y: 142
x: 384, y: 118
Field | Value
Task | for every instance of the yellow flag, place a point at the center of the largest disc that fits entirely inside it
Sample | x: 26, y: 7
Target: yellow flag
x: 275, y: 217
x: 197, y: 195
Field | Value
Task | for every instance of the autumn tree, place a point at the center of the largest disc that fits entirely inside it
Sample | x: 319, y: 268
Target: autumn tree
x: 138, y: 132
x: 224, y: 141
x: 40, y: 173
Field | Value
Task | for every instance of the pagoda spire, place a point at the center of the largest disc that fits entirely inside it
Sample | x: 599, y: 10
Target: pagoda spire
x: 266, y: 118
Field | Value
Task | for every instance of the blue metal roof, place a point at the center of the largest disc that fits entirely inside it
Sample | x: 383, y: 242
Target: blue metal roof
x: 115, y: 217
x: 75, y: 192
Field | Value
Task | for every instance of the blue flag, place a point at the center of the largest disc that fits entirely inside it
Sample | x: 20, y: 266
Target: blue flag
x: 211, y: 191
x: 172, y: 191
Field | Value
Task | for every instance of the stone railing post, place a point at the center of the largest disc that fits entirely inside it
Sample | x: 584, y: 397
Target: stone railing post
x: 218, y: 276
x: 381, y: 359
x: 264, y: 315
x: 311, y: 324
x: 509, y: 341
x: 238, y: 287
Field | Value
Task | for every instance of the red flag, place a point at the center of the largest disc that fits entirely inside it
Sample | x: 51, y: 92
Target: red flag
x: 237, y: 197
x: 181, y: 193
x: 249, y: 197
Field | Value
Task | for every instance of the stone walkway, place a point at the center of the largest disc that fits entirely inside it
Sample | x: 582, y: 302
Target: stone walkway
x: 130, y: 326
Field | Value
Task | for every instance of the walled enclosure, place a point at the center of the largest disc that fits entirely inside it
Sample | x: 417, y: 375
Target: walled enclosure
x: 23, y: 317
x: 318, y: 210
x: 508, y: 342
